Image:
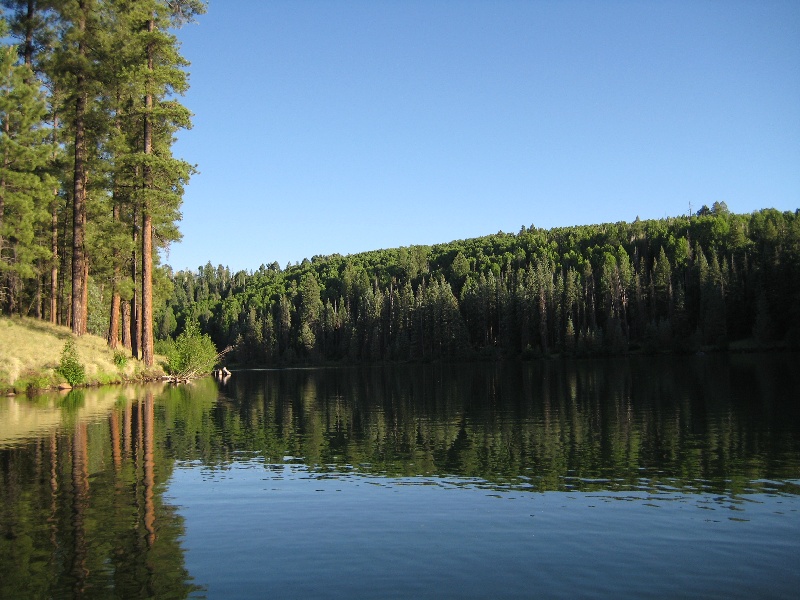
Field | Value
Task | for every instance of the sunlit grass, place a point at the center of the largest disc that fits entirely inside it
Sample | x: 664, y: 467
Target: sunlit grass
x: 30, y: 351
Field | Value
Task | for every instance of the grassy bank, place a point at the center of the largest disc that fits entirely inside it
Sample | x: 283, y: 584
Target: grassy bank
x: 30, y: 352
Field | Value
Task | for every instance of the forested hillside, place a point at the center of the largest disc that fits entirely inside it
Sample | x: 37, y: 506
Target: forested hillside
x: 89, y: 188
x: 90, y: 191
x: 677, y: 284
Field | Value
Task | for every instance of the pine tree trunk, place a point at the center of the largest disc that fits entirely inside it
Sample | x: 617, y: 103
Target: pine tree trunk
x: 54, y: 264
x: 147, y: 221
x: 28, y: 46
x: 2, y: 212
x: 79, y: 193
x: 39, y: 286
x: 2, y: 242
x: 134, y: 303
x: 64, y: 296
x: 113, y: 323
x: 147, y: 290
x: 54, y: 234
x: 126, y: 324
x: 85, y: 299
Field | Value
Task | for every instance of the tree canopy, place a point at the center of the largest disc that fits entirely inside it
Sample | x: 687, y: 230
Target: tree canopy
x: 677, y: 284
x: 89, y: 189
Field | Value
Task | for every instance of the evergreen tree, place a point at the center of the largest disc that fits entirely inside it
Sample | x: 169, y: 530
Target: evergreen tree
x: 159, y: 77
x: 662, y: 286
x: 24, y: 181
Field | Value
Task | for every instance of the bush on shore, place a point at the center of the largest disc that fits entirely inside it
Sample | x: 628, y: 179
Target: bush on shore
x: 191, y: 354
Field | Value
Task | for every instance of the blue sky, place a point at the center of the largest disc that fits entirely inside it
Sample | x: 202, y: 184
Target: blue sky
x: 345, y: 126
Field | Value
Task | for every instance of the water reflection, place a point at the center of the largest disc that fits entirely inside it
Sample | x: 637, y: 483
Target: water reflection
x: 83, y: 510
x: 719, y: 424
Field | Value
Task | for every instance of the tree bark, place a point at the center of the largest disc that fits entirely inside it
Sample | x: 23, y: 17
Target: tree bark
x: 147, y: 290
x: 79, y: 190
x: 54, y: 263
x: 126, y: 324
x: 39, y: 286
x: 54, y: 235
x: 134, y: 303
x: 147, y: 219
x: 113, y: 322
x: 113, y: 326
x: 64, y: 295
x: 6, y: 128
x: 85, y: 299
x: 28, y: 46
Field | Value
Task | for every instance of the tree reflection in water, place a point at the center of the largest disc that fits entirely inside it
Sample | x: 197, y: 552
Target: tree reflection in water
x: 715, y: 423
x: 83, y: 511
x: 83, y: 514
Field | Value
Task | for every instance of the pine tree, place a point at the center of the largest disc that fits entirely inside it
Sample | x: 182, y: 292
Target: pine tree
x: 24, y: 182
x: 76, y: 71
x: 156, y: 76
x: 569, y: 337
x: 662, y: 286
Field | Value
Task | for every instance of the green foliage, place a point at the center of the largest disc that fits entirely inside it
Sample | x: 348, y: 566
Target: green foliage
x: 89, y: 99
x: 668, y: 285
x: 70, y: 367
x: 120, y: 359
x: 191, y: 354
x: 33, y: 382
x: 25, y: 185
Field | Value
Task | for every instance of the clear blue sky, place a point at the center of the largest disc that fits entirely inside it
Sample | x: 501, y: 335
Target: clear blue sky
x: 344, y: 126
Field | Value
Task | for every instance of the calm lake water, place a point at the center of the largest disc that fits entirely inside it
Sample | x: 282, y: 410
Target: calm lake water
x: 634, y: 478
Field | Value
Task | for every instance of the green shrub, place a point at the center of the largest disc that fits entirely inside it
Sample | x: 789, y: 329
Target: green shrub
x: 35, y: 382
x: 120, y: 359
x: 192, y: 353
x: 70, y: 367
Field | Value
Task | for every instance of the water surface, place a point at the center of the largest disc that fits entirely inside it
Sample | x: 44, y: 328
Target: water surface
x: 641, y: 477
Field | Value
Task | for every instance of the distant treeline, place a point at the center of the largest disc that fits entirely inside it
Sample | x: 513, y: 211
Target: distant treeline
x: 677, y: 284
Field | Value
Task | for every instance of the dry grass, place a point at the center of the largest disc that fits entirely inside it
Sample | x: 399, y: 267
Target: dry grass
x: 30, y: 351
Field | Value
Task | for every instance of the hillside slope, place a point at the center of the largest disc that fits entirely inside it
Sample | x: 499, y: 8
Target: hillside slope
x: 713, y: 280
x: 30, y: 351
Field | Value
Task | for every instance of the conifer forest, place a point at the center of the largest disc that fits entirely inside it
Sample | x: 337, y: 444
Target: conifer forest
x: 682, y: 284
x: 90, y: 193
x: 89, y: 188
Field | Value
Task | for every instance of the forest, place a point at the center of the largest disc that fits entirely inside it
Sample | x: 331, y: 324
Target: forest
x: 705, y: 281
x: 90, y: 193
x: 89, y: 187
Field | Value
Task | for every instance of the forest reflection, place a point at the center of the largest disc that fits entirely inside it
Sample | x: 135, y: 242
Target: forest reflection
x: 82, y: 507
x: 83, y: 510
x: 714, y: 423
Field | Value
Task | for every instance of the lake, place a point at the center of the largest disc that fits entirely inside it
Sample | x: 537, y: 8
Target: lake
x: 627, y: 478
